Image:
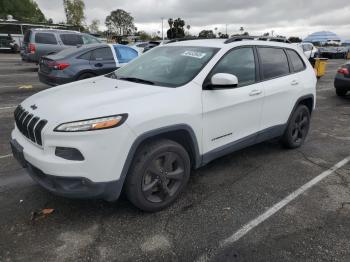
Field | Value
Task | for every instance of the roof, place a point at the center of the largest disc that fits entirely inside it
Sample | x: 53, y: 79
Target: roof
x: 220, y: 43
x: 55, y: 30
x: 322, y: 36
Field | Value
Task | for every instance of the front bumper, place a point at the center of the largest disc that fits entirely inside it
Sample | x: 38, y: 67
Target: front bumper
x: 76, y: 187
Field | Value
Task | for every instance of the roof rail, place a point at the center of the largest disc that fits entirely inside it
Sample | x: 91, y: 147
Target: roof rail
x: 189, y: 38
x: 261, y: 38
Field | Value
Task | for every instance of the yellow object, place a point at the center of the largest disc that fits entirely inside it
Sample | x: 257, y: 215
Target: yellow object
x: 348, y: 56
x: 320, y: 66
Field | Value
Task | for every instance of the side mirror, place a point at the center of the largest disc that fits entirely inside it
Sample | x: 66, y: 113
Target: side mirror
x: 223, y: 80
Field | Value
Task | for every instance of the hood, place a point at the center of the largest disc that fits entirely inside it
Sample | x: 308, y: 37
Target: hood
x: 94, y: 97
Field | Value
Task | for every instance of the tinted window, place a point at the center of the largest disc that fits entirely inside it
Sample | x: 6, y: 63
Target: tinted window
x: 124, y: 53
x: 102, y: 54
x: 239, y: 62
x: 85, y: 56
x: 297, y: 62
x: 88, y: 39
x: 71, y: 39
x: 26, y: 37
x: 45, y: 38
x: 274, y: 62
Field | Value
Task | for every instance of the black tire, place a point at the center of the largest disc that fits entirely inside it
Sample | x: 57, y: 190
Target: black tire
x: 158, y: 174
x: 297, y: 128
x: 86, y: 76
x: 340, y: 91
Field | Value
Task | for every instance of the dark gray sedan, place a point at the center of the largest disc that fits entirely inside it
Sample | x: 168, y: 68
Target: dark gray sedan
x: 342, y: 80
x: 83, y: 62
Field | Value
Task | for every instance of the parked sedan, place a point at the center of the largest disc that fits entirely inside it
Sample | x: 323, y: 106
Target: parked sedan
x: 83, y: 62
x: 342, y: 80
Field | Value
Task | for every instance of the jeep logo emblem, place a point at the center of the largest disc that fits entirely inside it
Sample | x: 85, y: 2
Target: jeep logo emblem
x: 33, y: 107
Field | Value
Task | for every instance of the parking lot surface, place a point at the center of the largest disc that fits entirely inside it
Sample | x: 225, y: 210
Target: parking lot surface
x: 220, y: 199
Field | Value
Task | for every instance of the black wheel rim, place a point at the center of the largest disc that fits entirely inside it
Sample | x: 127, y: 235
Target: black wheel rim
x: 163, y: 177
x: 300, y: 127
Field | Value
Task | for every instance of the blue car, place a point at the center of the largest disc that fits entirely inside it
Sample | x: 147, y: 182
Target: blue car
x: 81, y: 62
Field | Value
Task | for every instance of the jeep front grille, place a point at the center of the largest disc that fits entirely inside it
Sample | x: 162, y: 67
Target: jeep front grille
x: 29, y: 125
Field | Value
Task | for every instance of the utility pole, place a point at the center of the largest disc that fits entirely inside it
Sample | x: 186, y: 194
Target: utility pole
x: 162, y: 29
x: 226, y: 29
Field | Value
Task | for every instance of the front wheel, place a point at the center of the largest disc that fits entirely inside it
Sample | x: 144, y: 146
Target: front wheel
x: 159, y: 172
x: 297, y: 128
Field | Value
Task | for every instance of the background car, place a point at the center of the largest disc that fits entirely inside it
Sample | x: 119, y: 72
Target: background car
x: 40, y: 42
x: 139, y: 46
x: 7, y: 42
x: 153, y: 44
x: 309, y: 50
x: 77, y: 63
x: 342, y: 80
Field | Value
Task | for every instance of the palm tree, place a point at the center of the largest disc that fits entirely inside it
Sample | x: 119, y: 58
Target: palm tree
x: 170, y: 22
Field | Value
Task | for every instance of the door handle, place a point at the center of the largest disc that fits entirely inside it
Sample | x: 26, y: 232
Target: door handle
x: 255, y: 92
x: 294, y: 83
x: 99, y: 65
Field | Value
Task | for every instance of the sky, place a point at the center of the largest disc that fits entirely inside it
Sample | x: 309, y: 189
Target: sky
x: 283, y: 17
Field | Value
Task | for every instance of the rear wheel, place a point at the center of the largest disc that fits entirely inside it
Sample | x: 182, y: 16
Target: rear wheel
x: 85, y: 76
x: 159, y: 172
x: 340, y: 91
x: 297, y: 128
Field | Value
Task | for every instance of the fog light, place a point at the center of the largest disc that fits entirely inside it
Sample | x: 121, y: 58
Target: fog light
x: 69, y: 153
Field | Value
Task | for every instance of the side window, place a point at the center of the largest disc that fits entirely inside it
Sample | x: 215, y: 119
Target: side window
x: 85, y: 56
x: 45, y: 38
x: 102, y: 54
x: 274, y: 62
x: 71, y: 39
x: 88, y: 39
x: 239, y: 62
x: 297, y: 62
x: 125, y: 54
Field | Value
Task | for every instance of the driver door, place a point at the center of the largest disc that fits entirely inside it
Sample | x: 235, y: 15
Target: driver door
x: 232, y: 116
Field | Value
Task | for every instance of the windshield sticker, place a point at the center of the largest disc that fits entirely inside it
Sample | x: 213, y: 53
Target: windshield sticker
x: 194, y: 54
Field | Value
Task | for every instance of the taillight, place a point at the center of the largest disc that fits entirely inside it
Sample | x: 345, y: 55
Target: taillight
x: 31, y: 48
x: 343, y: 71
x: 57, y: 65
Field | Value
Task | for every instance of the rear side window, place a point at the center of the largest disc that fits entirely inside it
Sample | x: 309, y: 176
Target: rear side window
x: 296, y: 61
x: 45, y: 38
x: 26, y: 37
x: 125, y: 54
x: 85, y: 56
x: 274, y: 62
x: 71, y: 39
x: 102, y: 54
x: 239, y: 62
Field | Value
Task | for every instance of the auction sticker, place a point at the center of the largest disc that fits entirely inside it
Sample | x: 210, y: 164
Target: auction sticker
x: 194, y: 54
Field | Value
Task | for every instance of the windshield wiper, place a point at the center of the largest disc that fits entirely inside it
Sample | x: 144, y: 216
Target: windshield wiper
x: 137, y: 80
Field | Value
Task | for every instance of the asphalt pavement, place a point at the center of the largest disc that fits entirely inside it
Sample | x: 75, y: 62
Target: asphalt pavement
x: 252, y: 205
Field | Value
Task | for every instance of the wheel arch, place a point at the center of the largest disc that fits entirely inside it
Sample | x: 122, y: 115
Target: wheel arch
x: 181, y: 133
x: 84, y: 72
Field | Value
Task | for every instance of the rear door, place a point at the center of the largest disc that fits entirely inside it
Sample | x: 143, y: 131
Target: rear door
x: 102, y: 60
x: 279, y: 87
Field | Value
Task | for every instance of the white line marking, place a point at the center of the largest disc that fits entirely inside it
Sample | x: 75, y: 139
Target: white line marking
x: 19, y: 74
x: 255, y: 222
x: 7, y: 107
x: 9, y: 155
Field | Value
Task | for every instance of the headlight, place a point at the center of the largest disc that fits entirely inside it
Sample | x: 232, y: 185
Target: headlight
x: 92, y: 124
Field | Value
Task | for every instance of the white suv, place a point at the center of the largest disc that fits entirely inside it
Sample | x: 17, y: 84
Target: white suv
x: 143, y: 128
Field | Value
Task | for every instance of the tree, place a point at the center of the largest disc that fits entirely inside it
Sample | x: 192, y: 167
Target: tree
x: 176, y: 28
x: 295, y: 39
x: 94, y: 26
x: 241, y: 29
x: 120, y: 22
x: 50, y: 21
x: 74, y: 10
x: 206, y: 34
x: 23, y: 10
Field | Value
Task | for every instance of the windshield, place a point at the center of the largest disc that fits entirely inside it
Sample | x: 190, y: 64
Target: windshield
x: 169, y: 66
